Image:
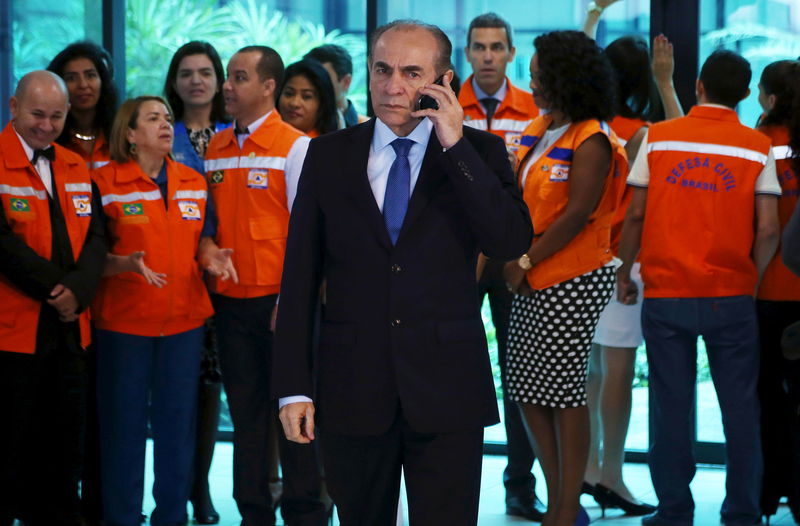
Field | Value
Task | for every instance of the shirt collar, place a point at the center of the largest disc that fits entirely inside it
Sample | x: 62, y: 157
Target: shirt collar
x: 721, y: 106
x: 25, y: 146
x: 383, y: 136
x: 500, y: 94
x: 255, y: 124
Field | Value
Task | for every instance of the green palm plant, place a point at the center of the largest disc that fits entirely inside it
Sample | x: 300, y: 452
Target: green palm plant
x: 156, y: 28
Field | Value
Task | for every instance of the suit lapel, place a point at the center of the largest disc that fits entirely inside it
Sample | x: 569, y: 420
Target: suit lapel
x: 356, y: 167
x: 428, y: 182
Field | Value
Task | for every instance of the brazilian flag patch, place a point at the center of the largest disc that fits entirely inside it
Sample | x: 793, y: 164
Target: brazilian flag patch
x: 20, y: 205
x: 217, y: 177
x: 133, y: 209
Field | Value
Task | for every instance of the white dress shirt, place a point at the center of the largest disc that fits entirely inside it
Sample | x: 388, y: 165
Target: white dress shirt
x: 381, y: 157
x: 42, y: 165
x: 294, y: 159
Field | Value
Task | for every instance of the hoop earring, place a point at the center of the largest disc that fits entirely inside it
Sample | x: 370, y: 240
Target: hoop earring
x: 132, y: 149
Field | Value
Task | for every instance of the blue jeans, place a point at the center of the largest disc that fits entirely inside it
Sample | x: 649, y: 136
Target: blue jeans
x: 729, y: 328
x: 137, y: 377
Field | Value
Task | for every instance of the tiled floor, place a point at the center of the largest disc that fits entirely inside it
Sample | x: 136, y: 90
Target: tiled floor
x: 708, y: 488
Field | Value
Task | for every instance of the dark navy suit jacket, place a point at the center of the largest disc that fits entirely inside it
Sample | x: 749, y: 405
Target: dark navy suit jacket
x: 402, y: 329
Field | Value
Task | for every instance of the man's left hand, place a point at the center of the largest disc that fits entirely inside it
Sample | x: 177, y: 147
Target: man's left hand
x: 449, y: 118
x: 65, y: 302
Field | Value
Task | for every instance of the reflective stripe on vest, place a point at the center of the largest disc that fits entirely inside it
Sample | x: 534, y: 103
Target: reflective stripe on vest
x: 78, y: 187
x: 228, y: 163
x: 190, y: 194
x: 153, y: 195
x: 23, y: 191
x: 707, y: 148
x: 97, y: 164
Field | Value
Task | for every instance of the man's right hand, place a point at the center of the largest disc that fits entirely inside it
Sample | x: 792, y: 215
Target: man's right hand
x: 298, y: 421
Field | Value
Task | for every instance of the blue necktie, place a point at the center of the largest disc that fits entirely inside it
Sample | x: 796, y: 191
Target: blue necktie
x: 395, y: 200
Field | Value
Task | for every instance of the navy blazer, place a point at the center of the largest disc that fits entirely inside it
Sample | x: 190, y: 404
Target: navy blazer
x: 402, y: 327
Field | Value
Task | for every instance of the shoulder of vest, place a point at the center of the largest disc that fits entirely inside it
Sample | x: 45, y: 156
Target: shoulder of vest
x: 184, y: 172
x: 68, y: 156
x: 520, y: 100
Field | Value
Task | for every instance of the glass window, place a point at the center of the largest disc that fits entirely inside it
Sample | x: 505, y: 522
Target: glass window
x: 42, y: 29
x: 763, y: 31
x: 454, y: 17
x: 154, y: 30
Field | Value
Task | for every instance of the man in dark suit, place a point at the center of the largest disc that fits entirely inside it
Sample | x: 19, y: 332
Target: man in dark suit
x: 392, y: 214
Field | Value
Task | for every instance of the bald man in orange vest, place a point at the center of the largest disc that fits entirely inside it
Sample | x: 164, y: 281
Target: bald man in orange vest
x: 52, y: 252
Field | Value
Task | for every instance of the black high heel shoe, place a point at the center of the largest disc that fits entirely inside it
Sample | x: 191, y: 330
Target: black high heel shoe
x: 587, y: 489
x: 607, y: 498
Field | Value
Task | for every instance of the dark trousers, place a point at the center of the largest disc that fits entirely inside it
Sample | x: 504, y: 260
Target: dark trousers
x: 780, y: 425
x: 134, y: 372
x: 442, y: 474
x: 517, y: 477
x: 728, y: 326
x: 245, y: 354
x: 42, y: 400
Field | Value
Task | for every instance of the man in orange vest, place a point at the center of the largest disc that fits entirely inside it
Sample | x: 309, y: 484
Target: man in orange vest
x: 52, y: 251
x: 704, y: 210
x: 253, y: 168
x: 492, y: 103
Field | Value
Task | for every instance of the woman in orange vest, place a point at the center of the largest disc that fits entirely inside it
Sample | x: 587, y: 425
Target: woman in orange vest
x: 619, y: 330
x: 193, y: 89
x: 307, y: 100
x: 87, y: 70
x: 568, y: 160
x: 149, y: 313
x: 778, y: 298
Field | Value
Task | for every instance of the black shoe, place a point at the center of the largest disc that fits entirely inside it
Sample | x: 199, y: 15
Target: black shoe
x: 204, y: 512
x: 528, y: 506
x: 587, y: 489
x: 607, y: 498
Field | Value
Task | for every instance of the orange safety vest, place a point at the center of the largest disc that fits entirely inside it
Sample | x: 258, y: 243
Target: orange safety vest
x: 698, y: 226
x: 514, y: 113
x: 546, y: 192
x: 779, y: 283
x: 249, y: 189
x: 25, y: 203
x: 625, y: 128
x: 138, y: 220
x: 98, y: 157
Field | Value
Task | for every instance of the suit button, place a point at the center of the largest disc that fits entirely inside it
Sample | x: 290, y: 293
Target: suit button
x: 395, y: 323
x: 396, y: 269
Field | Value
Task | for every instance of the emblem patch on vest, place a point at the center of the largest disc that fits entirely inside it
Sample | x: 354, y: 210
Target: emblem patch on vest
x: 189, y: 210
x: 133, y: 209
x: 20, y: 205
x: 560, y: 172
x: 83, y: 205
x: 258, y: 178
x: 217, y: 177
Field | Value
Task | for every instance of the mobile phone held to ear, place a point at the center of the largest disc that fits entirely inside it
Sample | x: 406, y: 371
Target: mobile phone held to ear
x: 426, y: 102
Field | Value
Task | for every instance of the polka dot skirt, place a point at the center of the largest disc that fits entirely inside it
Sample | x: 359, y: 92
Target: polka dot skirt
x: 549, y: 338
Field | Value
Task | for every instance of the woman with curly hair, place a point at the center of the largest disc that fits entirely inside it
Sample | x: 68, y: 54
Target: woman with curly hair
x: 778, y: 298
x: 568, y: 159
x: 88, y: 72
x: 307, y: 100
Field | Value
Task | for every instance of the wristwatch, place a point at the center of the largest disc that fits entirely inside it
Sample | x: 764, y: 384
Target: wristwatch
x: 524, y: 262
x: 592, y: 7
